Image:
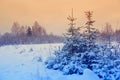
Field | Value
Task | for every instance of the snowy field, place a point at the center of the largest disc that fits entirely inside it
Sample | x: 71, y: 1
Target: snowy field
x: 26, y: 62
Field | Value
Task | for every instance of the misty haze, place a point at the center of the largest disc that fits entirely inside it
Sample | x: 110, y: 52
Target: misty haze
x: 59, y: 40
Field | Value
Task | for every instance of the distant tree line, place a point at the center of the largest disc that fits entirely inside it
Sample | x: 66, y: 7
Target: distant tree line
x: 37, y: 34
x: 28, y: 35
x: 108, y: 35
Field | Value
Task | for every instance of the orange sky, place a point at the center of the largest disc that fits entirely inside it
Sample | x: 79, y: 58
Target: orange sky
x: 52, y: 14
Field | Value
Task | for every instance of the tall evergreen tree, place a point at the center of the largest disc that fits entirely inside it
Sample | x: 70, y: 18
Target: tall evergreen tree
x: 90, y: 32
x: 90, y: 35
x: 72, y: 36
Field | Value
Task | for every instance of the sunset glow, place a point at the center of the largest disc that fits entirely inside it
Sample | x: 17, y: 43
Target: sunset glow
x: 52, y: 14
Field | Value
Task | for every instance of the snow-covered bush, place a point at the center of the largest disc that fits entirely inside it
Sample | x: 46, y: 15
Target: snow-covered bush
x: 108, y: 67
x: 50, y: 62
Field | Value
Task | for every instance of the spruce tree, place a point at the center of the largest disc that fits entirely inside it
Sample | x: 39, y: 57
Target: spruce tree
x: 90, y: 35
x: 90, y: 32
x: 29, y: 31
x: 72, y: 37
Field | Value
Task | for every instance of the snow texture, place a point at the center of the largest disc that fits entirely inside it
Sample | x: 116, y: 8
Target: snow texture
x: 26, y: 62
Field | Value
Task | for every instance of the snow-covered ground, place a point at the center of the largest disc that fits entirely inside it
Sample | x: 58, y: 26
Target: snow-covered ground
x: 26, y: 62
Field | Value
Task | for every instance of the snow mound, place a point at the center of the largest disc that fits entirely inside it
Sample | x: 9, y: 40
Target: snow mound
x: 89, y: 75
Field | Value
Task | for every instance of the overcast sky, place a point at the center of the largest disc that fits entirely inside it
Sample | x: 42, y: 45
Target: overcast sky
x: 52, y: 14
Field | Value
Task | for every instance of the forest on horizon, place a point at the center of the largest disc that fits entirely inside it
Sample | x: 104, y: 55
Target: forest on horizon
x: 36, y: 34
